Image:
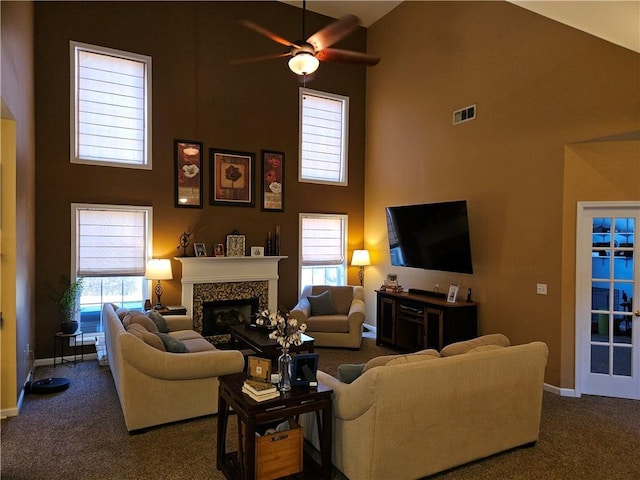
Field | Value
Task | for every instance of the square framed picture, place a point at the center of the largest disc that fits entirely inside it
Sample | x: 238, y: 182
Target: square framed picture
x: 453, y: 293
x: 272, y: 181
x: 218, y: 250
x: 188, y: 173
x: 231, y: 178
x: 257, y: 251
x: 235, y: 245
x: 200, y: 249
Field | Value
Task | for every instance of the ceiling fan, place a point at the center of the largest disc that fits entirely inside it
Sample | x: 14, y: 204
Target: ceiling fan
x: 306, y: 55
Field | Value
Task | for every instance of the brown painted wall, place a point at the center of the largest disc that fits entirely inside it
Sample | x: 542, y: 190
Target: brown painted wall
x: 538, y: 86
x: 18, y: 97
x: 197, y: 95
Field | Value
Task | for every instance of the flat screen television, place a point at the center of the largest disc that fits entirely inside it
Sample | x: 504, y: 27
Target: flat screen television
x: 433, y: 236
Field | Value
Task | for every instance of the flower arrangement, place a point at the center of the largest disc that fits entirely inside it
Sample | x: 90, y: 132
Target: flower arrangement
x: 286, y: 331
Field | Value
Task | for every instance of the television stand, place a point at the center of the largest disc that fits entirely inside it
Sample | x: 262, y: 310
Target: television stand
x: 414, y: 321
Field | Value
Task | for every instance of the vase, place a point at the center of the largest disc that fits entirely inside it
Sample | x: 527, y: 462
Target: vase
x: 284, y: 370
x: 69, y: 328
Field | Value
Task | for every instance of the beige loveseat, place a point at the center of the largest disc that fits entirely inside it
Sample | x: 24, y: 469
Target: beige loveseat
x: 156, y: 386
x: 421, y: 414
x: 337, y: 320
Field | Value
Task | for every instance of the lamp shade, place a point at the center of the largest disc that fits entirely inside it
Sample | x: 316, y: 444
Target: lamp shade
x: 360, y: 258
x: 303, y: 63
x: 159, y: 269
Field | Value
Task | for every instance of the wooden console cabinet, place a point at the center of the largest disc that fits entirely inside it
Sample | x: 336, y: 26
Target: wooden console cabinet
x: 414, y: 321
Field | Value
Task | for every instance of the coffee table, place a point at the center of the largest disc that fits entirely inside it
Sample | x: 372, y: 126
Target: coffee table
x: 258, y: 340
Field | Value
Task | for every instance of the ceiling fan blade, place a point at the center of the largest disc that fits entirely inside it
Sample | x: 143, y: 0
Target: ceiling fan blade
x: 259, y: 59
x: 334, y: 55
x: 270, y: 35
x: 333, y: 32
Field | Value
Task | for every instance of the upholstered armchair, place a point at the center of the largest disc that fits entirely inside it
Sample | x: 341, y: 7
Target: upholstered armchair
x: 334, y: 314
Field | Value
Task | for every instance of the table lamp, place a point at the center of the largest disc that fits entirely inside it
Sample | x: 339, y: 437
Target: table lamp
x: 158, y: 269
x: 360, y: 259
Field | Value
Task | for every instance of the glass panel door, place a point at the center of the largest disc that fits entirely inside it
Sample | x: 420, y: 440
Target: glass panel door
x: 610, y: 361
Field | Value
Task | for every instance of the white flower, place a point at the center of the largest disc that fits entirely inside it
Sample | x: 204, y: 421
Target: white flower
x: 190, y: 171
x: 286, y: 331
x: 275, y: 187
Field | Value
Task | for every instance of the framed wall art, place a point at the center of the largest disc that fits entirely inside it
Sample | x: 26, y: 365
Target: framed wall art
x: 235, y: 245
x: 231, y: 178
x: 188, y: 173
x: 272, y: 181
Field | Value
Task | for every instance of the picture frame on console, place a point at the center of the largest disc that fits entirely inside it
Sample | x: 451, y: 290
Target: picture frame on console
x: 272, y: 181
x: 453, y: 292
x: 200, y: 249
x: 231, y: 178
x: 188, y: 173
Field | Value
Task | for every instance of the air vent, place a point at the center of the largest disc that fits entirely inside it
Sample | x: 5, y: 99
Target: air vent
x: 464, y: 114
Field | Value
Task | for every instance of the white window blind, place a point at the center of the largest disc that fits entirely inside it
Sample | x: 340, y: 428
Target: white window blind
x: 323, y: 137
x: 111, y: 242
x: 322, y: 239
x: 111, y: 108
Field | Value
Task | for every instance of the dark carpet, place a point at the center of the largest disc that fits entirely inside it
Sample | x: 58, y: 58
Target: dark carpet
x: 80, y: 434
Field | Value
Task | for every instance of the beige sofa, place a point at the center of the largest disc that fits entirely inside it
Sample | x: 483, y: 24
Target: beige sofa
x: 342, y: 327
x: 409, y: 418
x: 156, y: 386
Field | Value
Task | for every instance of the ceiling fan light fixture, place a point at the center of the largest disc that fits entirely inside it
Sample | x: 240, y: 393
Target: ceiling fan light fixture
x: 303, y: 63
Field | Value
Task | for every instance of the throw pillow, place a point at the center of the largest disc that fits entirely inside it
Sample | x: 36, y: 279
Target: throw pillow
x: 159, y: 320
x: 147, y: 337
x: 322, y: 304
x: 348, y: 372
x: 141, y: 318
x: 397, y: 359
x: 459, y: 348
x: 121, y: 312
x: 171, y: 344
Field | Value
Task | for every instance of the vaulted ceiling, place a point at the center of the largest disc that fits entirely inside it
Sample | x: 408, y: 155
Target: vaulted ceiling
x: 615, y: 21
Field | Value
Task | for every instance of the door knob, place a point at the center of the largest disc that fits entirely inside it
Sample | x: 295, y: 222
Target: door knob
x: 637, y: 313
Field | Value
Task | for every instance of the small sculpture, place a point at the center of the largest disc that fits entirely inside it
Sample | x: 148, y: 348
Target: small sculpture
x: 184, y: 243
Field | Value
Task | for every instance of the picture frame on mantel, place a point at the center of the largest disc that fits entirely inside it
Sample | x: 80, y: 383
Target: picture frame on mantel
x: 235, y: 245
x: 231, y: 178
x: 188, y: 173
x: 272, y: 181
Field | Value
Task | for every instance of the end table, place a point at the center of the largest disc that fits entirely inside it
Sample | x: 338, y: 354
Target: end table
x: 59, y: 338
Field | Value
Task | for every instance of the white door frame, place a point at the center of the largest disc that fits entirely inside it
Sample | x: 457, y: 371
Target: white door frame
x: 583, y: 305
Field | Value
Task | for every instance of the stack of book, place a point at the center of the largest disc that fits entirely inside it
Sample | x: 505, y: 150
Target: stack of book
x: 260, y: 391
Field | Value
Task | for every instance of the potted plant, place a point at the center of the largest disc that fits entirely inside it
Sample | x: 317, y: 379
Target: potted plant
x: 67, y: 301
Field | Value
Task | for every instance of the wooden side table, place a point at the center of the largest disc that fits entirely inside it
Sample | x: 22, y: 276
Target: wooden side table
x: 293, y: 403
x: 59, y: 338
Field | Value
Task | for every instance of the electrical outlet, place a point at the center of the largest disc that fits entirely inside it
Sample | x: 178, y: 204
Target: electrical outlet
x: 541, y: 288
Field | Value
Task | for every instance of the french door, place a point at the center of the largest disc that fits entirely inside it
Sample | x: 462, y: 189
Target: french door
x: 608, y: 299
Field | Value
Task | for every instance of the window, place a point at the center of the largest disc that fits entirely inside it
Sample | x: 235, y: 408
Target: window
x: 110, y: 247
x: 110, y: 107
x: 322, y: 249
x: 324, y: 119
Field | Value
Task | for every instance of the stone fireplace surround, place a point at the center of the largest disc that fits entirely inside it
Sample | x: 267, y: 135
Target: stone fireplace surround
x: 212, y: 279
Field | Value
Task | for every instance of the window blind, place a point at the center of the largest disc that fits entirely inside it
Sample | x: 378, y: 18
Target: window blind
x: 111, y: 242
x: 322, y: 133
x: 322, y: 240
x: 111, y: 114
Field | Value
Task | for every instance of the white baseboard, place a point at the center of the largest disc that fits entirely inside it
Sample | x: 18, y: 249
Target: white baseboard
x: 563, y: 392
x: 49, y: 361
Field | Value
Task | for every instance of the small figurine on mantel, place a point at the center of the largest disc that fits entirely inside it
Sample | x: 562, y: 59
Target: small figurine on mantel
x: 184, y: 243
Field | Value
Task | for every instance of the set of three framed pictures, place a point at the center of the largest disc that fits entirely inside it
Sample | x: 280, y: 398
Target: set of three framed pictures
x: 231, y: 177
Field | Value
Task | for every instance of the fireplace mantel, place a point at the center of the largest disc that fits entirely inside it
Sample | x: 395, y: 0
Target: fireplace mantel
x: 197, y: 270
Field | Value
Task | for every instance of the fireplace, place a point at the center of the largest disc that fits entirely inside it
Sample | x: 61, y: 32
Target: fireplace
x: 227, y: 281
x: 219, y: 316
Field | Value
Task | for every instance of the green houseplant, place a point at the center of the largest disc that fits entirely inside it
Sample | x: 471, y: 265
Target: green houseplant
x: 67, y: 302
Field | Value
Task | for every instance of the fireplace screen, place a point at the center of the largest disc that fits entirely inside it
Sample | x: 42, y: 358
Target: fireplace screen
x: 220, y: 316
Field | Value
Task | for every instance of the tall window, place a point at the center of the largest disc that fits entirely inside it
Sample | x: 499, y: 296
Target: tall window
x: 323, y: 249
x: 110, y: 107
x: 111, y: 244
x: 324, y: 122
